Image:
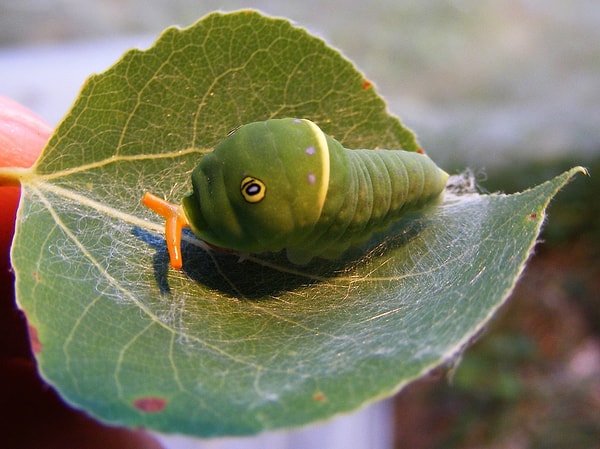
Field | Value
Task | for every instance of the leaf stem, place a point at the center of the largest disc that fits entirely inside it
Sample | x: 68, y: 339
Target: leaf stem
x: 15, y: 176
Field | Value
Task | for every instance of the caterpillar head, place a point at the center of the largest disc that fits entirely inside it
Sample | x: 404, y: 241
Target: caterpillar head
x: 261, y: 186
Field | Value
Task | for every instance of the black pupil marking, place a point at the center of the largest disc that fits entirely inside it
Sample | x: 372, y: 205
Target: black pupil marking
x: 253, y: 189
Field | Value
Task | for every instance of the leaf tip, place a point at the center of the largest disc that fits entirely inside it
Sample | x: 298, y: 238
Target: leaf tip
x: 583, y: 170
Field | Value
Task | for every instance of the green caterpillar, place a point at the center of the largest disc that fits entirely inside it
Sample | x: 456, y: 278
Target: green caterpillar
x: 284, y: 184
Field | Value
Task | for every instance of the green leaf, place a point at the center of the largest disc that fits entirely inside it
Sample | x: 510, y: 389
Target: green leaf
x: 229, y: 347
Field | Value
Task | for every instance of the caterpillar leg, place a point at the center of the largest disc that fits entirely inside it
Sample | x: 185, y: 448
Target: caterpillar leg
x: 175, y: 222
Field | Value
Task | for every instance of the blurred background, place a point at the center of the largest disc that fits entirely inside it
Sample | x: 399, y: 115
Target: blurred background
x: 508, y: 89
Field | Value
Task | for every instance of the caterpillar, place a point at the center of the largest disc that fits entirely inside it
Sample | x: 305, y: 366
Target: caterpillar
x: 284, y: 184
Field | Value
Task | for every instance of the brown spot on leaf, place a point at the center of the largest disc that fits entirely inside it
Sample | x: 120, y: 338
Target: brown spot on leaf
x: 366, y: 84
x: 34, y: 341
x: 150, y: 404
x: 533, y: 216
x: 319, y: 397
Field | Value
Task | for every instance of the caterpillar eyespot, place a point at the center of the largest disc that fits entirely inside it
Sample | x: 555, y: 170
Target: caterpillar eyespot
x: 253, y: 190
x: 323, y: 198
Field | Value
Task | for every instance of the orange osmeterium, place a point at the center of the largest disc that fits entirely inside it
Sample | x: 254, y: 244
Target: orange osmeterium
x: 175, y: 222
